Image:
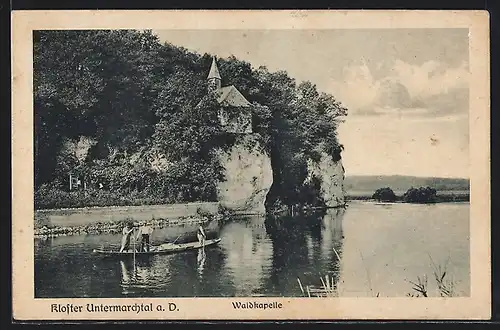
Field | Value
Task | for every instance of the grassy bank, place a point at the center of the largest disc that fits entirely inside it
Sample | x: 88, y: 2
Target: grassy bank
x: 51, y: 198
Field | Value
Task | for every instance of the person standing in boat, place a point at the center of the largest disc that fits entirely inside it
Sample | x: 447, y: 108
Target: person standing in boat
x: 127, y: 232
x: 201, y: 235
x: 145, y: 231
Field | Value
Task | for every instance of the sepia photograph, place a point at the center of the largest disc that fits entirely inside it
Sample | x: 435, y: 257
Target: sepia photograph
x: 255, y: 163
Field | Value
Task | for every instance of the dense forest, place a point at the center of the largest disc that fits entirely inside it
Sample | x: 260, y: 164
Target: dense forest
x: 110, y: 103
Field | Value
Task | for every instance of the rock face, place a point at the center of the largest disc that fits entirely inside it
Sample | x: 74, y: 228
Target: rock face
x: 331, y: 175
x: 248, y: 175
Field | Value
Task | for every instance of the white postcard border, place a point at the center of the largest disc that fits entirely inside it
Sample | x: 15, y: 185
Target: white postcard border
x: 477, y: 306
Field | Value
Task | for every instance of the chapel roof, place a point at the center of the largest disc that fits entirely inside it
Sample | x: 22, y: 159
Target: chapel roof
x: 231, y: 96
x: 214, y: 70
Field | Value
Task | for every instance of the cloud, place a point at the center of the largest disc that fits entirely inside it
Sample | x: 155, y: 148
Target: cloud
x: 431, y: 78
x: 429, y: 89
x: 393, y: 94
x: 358, y: 89
x: 388, y: 145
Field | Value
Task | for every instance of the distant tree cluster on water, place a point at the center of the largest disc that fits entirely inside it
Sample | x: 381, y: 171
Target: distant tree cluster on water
x: 384, y: 195
x: 131, y: 120
x: 421, y: 195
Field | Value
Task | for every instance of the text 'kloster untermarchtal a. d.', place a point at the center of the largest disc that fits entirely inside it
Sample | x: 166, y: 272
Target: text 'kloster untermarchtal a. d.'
x: 113, y: 308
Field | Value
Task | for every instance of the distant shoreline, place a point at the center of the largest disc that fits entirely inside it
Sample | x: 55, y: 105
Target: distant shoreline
x: 443, y: 197
x: 366, y: 185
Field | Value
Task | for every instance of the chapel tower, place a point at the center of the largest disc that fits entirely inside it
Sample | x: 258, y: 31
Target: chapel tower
x: 214, y: 79
x: 235, y: 113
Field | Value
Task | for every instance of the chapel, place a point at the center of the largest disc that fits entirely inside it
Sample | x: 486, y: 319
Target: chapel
x: 235, y: 113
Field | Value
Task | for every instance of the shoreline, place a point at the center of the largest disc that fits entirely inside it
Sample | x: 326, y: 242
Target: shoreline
x: 88, y: 216
x: 115, y: 227
x: 456, y: 198
x: 94, y: 227
x: 448, y: 196
x: 371, y: 200
x: 125, y: 207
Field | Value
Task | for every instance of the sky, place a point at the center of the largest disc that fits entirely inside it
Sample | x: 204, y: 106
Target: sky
x: 406, y: 89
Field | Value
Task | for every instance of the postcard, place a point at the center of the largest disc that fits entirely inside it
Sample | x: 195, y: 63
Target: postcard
x: 250, y: 165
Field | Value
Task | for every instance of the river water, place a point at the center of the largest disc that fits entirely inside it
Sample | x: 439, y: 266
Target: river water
x: 381, y: 249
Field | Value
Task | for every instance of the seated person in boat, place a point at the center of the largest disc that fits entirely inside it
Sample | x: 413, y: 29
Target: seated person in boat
x: 127, y: 232
x: 201, y: 235
x: 144, y: 233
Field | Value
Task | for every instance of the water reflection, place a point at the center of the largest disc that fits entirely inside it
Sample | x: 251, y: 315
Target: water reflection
x: 248, y: 250
x: 144, y: 273
x: 364, y: 248
x: 125, y: 275
x: 303, y: 248
x: 202, y: 257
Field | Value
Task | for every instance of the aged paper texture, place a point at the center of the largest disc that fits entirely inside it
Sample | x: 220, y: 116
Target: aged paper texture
x: 250, y: 165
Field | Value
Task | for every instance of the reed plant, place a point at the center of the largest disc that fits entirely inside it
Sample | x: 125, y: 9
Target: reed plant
x: 445, y: 284
x: 327, y: 289
x: 420, y: 287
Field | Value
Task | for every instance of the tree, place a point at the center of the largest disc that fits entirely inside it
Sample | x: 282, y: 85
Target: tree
x: 302, y: 126
x: 91, y: 83
x: 131, y: 95
x: 420, y: 195
x: 384, y: 195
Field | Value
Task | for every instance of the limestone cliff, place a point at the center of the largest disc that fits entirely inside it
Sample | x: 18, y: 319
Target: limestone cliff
x: 248, y: 175
x: 330, y: 172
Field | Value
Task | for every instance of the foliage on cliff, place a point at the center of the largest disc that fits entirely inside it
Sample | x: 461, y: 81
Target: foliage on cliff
x: 133, y: 116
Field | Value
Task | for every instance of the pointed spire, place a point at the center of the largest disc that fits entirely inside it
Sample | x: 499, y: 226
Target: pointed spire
x: 214, y: 71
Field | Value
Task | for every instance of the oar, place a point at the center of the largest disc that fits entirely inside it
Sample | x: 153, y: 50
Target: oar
x: 134, y: 236
x: 176, y: 239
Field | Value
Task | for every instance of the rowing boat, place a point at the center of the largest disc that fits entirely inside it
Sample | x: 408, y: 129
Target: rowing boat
x: 165, y: 248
